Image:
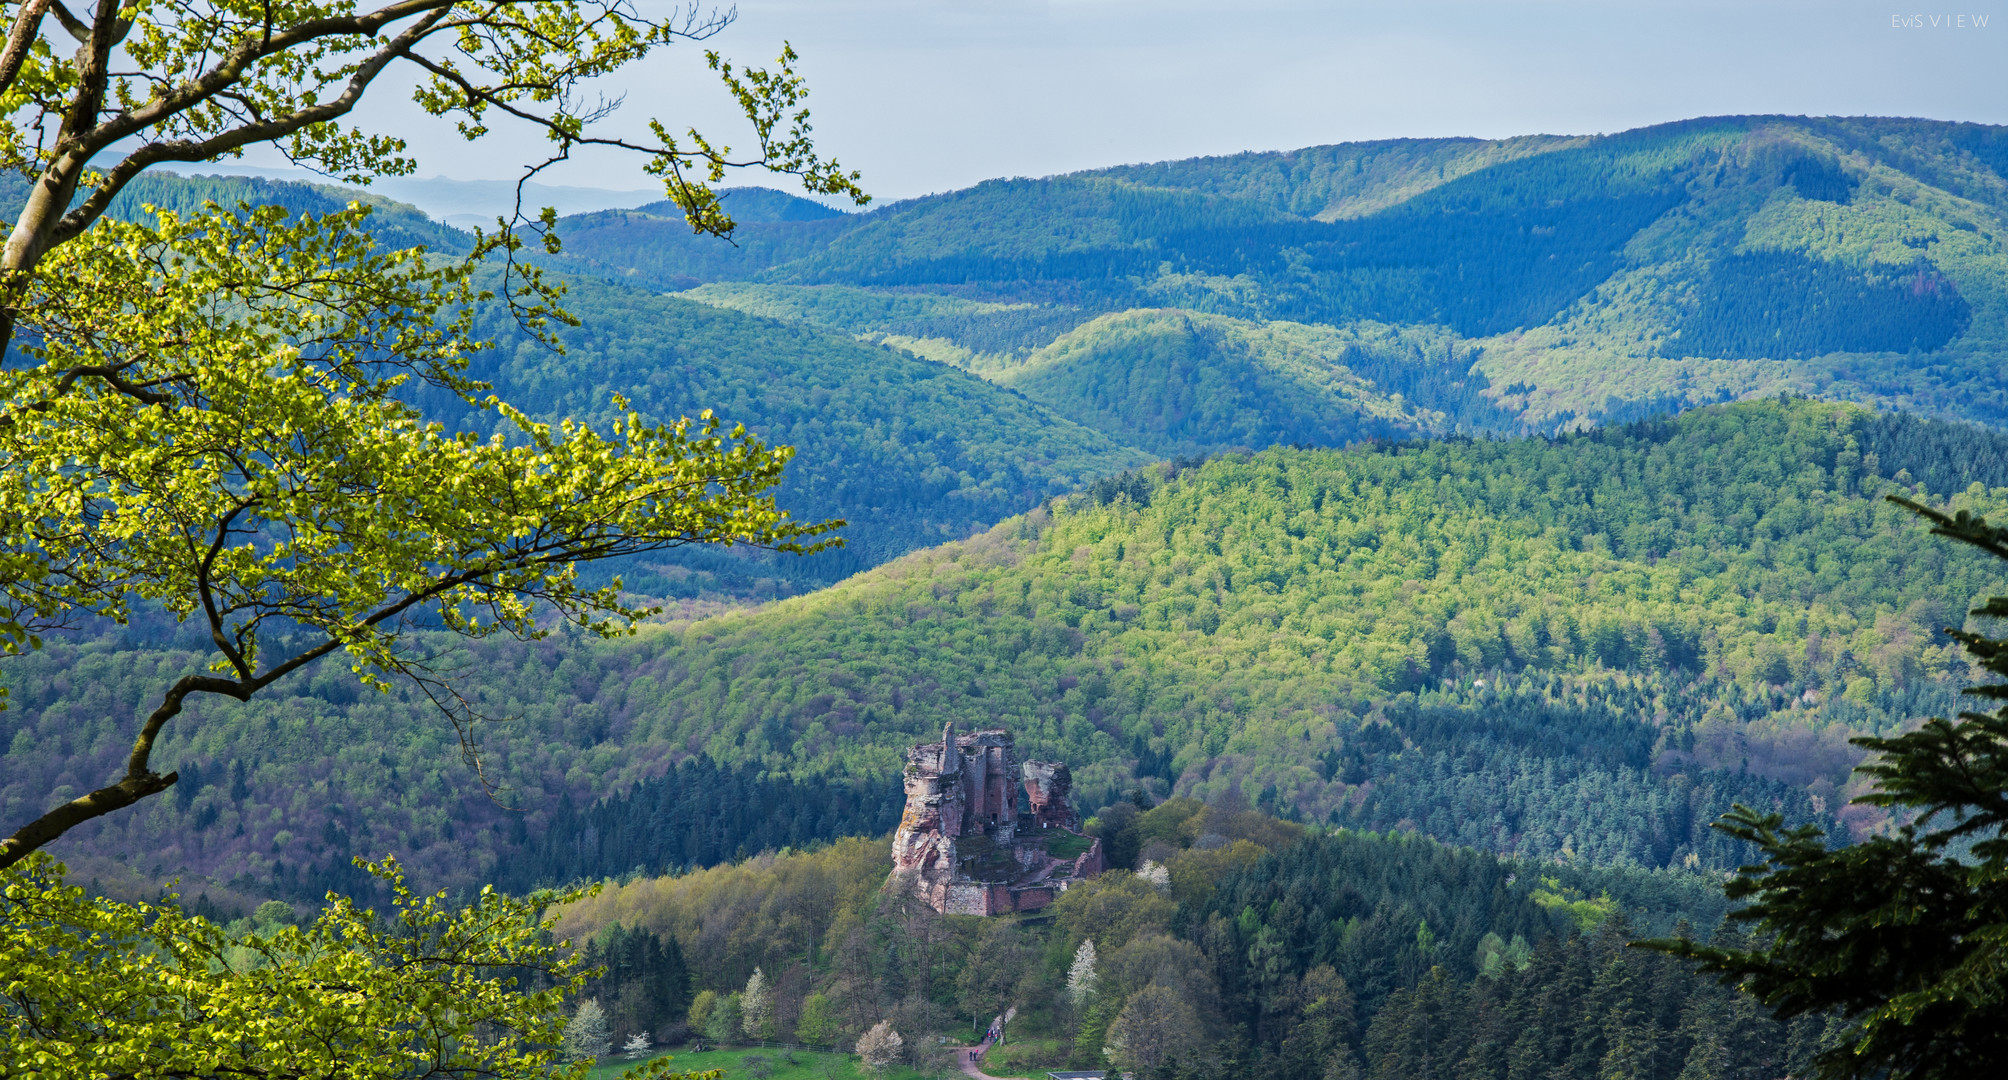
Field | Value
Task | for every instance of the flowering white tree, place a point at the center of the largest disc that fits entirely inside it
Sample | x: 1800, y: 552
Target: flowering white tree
x: 1156, y: 873
x: 756, y: 1006
x: 637, y: 1045
x: 587, y: 1037
x: 880, y: 1047
x: 1081, y: 977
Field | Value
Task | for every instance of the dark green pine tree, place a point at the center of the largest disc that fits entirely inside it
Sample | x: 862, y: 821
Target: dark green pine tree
x: 1492, y: 1029
x: 1904, y: 935
x: 665, y: 980
x: 644, y: 984
x: 1704, y: 1032
x: 1423, y: 1033
x: 1631, y: 1046
x: 1320, y: 1046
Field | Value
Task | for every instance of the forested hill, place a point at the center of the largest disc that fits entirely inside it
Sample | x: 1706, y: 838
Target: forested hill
x: 1241, y: 606
x: 1584, y: 279
x: 1317, y: 297
x: 1580, y: 648
x: 1292, y: 954
x: 908, y: 450
x: 396, y: 224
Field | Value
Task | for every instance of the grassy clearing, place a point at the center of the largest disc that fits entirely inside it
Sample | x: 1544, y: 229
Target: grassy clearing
x: 1066, y: 845
x: 1026, y: 1057
x: 808, y: 1065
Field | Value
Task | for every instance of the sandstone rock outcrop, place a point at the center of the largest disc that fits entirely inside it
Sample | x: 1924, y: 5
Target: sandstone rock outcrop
x: 1047, y: 787
x: 964, y: 847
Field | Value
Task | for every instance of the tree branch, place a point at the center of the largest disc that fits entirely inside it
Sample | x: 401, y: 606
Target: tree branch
x: 139, y: 782
x: 202, y: 585
x: 93, y: 207
x: 21, y: 39
x: 71, y: 24
x: 229, y: 71
x: 107, y: 372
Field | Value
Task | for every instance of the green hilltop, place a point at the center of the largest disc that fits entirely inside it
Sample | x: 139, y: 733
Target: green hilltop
x: 1168, y: 380
x: 1179, y: 382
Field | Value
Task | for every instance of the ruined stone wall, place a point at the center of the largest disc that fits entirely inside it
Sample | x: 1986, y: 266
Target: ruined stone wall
x: 977, y: 898
x: 1090, y: 863
x: 1031, y: 899
x: 989, y: 770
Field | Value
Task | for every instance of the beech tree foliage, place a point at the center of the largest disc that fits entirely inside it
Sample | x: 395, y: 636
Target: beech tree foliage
x: 99, y: 988
x: 204, y: 411
x: 197, y: 81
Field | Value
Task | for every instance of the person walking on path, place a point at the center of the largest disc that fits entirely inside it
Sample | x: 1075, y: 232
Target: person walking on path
x: 974, y: 1054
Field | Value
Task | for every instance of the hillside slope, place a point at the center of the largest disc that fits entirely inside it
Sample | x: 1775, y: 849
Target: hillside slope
x: 1176, y: 382
x: 1345, y: 180
x: 1581, y: 648
x: 1169, y: 380
x: 1244, y: 610
x: 909, y: 451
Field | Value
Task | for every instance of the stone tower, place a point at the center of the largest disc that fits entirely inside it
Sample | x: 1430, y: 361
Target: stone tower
x: 962, y: 845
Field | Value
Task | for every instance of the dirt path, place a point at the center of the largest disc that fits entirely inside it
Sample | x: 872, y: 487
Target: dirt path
x: 969, y: 1067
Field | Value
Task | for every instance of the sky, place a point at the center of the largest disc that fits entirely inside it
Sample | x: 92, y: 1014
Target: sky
x: 932, y: 95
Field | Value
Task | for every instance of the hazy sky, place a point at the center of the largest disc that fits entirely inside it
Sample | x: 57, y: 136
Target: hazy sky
x: 928, y: 95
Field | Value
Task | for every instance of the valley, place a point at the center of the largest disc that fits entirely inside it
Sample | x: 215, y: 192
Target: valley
x: 1412, y: 547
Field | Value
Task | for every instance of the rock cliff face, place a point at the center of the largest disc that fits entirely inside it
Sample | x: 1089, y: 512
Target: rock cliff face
x: 1047, y: 785
x: 964, y: 847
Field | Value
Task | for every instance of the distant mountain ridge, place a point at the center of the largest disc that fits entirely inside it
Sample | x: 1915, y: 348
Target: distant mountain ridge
x: 1589, y: 278
x: 469, y: 203
x: 1342, y: 180
x: 1583, y: 279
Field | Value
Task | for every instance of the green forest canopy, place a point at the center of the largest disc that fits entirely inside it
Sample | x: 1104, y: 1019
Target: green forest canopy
x: 1667, y: 617
x: 1296, y: 953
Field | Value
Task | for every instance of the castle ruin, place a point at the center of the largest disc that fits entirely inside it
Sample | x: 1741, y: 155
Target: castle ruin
x: 964, y: 847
